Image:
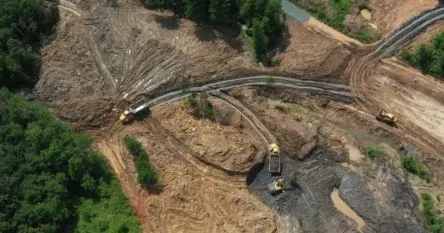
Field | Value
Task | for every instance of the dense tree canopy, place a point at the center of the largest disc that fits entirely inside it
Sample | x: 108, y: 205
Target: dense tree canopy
x: 263, y: 19
x: 429, y: 57
x: 24, y: 26
x: 49, y: 176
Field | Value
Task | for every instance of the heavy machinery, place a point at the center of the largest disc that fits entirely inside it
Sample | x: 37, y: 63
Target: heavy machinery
x: 129, y: 114
x: 387, y: 118
x: 274, y: 165
x: 276, y: 187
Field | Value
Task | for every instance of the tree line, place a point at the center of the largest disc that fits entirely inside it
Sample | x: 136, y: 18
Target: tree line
x: 428, y: 57
x: 25, y: 25
x: 147, y: 175
x: 261, y: 21
x: 51, y: 180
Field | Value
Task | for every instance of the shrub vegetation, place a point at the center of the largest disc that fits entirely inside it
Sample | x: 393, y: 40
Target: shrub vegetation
x: 433, y: 221
x: 146, y: 173
x: 374, y: 152
x: 429, y: 57
x: 202, y: 107
x: 262, y: 19
x: 412, y: 164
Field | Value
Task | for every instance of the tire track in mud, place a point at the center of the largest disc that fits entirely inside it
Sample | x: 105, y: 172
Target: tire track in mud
x: 361, y: 69
x: 70, y: 7
x: 251, y: 117
x: 206, y: 169
x: 260, y: 80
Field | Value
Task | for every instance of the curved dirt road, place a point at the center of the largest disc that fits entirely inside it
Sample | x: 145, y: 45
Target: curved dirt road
x: 363, y: 71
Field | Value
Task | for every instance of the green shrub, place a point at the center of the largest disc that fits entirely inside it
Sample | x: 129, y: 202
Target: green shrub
x: 274, y: 62
x: 333, y: 14
x: 282, y: 108
x: 428, y: 57
x: 146, y: 173
x: 413, y: 165
x: 433, y: 221
x: 374, y: 152
x: 202, y: 107
x: 270, y: 80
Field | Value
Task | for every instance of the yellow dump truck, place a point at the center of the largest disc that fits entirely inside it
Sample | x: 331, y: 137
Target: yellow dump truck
x: 128, y: 115
x: 274, y: 159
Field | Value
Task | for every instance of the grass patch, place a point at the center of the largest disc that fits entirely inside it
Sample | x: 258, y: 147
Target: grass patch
x: 333, y: 13
x: 282, y: 108
x: 270, y: 80
x: 428, y: 57
x: 202, y: 107
x: 374, y: 152
x: 433, y: 221
x: 146, y: 173
x: 413, y: 165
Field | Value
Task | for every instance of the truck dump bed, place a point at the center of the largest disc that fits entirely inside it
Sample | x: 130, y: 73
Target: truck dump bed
x: 138, y: 106
x: 274, y: 164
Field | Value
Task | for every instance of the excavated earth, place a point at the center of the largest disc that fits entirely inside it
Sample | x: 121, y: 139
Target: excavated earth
x: 104, y: 57
x: 213, y: 173
x: 322, y: 157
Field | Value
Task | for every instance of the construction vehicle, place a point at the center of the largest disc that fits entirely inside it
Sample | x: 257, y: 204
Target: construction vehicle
x: 274, y: 166
x: 128, y: 115
x: 387, y: 118
x: 276, y: 187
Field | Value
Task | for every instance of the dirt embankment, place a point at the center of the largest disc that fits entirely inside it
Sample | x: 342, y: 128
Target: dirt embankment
x: 234, y: 147
x: 188, y: 199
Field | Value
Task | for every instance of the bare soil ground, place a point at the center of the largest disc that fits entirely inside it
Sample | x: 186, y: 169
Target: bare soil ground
x: 189, y: 199
x: 234, y: 147
x: 104, y: 57
x: 107, y: 55
x: 390, y: 14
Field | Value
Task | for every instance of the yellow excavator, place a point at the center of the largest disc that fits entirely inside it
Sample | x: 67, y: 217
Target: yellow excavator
x: 276, y: 187
x: 387, y: 118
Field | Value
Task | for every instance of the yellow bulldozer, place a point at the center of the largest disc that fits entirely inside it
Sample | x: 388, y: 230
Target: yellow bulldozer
x: 387, y: 118
x: 128, y: 115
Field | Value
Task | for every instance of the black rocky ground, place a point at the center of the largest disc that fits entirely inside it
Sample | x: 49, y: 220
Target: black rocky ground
x: 306, y: 204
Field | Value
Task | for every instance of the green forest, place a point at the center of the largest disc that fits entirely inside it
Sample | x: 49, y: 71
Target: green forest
x: 25, y: 25
x: 428, y: 57
x: 51, y: 181
x: 262, y: 20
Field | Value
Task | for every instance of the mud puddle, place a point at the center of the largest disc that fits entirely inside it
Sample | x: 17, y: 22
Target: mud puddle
x: 346, y: 210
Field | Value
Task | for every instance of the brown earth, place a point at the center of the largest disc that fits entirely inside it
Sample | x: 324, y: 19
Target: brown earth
x: 390, y: 14
x: 234, y: 147
x: 111, y: 55
x: 190, y: 198
x: 104, y: 57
